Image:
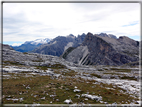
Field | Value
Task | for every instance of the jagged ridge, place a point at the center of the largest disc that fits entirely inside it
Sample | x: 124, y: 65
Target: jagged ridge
x: 99, y: 50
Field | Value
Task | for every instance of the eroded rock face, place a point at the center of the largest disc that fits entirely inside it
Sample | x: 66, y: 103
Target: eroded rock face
x: 102, y: 50
x: 78, y: 54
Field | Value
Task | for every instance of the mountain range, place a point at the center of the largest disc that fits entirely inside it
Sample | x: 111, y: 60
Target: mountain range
x: 58, y: 45
x: 87, y: 49
x: 30, y: 45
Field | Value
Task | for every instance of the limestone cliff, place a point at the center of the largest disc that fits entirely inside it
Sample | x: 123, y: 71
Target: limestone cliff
x: 102, y: 50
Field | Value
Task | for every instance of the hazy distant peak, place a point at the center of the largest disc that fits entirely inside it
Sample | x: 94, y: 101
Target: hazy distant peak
x: 38, y: 41
x: 89, y: 33
x: 27, y: 42
x: 71, y: 35
x: 83, y: 34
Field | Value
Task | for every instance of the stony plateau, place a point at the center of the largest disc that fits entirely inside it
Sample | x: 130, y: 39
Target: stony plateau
x: 32, y: 78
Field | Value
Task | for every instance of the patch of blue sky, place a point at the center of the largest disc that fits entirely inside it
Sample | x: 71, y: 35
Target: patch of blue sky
x: 12, y: 42
x: 137, y: 38
x: 131, y: 24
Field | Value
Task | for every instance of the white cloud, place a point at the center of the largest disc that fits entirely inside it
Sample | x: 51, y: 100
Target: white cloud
x: 16, y: 44
x: 30, y: 21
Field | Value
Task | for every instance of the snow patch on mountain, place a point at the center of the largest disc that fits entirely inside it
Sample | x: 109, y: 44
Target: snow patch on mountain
x: 42, y: 41
x: 38, y: 41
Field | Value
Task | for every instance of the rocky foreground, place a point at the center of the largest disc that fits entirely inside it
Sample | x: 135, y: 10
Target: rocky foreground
x: 30, y: 78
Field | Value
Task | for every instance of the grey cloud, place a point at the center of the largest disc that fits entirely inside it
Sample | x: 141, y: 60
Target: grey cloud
x: 18, y: 24
x: 89, y: 6
x: 45, y: 29
x: 17, y: 27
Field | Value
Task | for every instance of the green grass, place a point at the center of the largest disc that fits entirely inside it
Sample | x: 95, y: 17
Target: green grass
x: 112, y: 73
x: 129, y: 78
x: 70, y: 73
x: 54, y: 66
x: 96, y: 75
x: 100, y: 70
x: 61, y: 87
x: 11, y: 63
x: 120, y: 70
x: 42, y: 67
x: 57, y: 66
x: 25, y: 53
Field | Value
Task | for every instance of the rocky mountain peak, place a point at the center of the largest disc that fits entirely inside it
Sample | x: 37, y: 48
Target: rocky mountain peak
x: 128, y: 41
x: 103, y: 35
x: 62, y: 43
x: 89, y: 34
x: 103, y: 50
x: 71, y: 35
x: 112, y: 36
x: 107, y: 35
x: 96, y: 44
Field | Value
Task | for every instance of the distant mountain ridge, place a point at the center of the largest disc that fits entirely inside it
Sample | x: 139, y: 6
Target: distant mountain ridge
x: 38, y: 41
x: 109, y: 35
x: 60, y: 44
x: 30, y: 45
x: 101, y: 49
x: 87, y: 49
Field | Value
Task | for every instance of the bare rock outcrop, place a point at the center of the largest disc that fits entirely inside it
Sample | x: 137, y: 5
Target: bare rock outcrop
x: 103, y: 50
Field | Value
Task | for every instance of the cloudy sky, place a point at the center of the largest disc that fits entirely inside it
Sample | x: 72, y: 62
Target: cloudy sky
x: 29, y: 21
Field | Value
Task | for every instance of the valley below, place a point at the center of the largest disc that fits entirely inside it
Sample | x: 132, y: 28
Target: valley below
x: 31, y: 78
